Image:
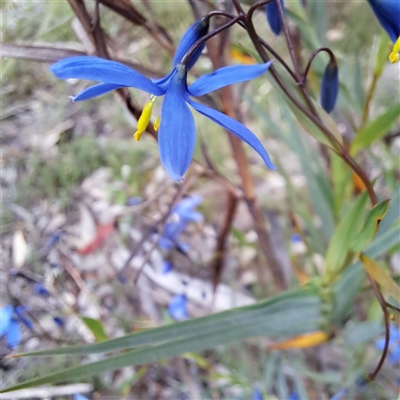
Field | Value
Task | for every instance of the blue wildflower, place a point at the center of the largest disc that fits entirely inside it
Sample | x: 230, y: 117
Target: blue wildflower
x: 59, y: 321
x: 177, y: 307
x: 339, y: 395
x: 394, y: 344
x: 388, y: 14
x: 79, y: 396
x: 41, y: 290
x: 330, y: 87
x: 257, y: 395
x: 273, y: 16
x: 10, y: 319
x: 166, y: 267
x: 177, y: 131
x: 181, y: 215
x: 294, y: 396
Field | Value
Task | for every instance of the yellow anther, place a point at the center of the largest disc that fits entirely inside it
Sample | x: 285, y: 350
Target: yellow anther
x: 394, y: 55
x: 144, y: 119
x: 157, y: 123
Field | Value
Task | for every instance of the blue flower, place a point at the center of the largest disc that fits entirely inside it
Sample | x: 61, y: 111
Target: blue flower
x: 339, y: 395
x: 273, y: 16
x: 329, y: 87
x: 79, y: 396
x: 394, y: 344
x: 388, y: 14
x: 166, y: 267
x: 177, y: 131
x: 294, y: 396
x: 59, y: 321
x: 41, y: 290
x: 10, y: 319
x: 181, y: 215
x: 177, y: 307
x: 256, y: 395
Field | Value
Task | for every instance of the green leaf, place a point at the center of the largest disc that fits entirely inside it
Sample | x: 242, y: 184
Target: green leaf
x: 287, y: 314
x: 312, y: 129
x: 382, y: 54
x: 346, y: 229
x: 381, y: 277
x: 348, y: 286
x: 363, y: 238
x: 375, y: 129
x: 96, y: 327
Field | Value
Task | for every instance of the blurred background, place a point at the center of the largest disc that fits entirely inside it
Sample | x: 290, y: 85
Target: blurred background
x: 82, y: 203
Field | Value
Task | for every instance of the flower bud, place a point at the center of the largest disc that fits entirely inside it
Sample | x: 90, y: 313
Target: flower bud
x: 273, y: 17
x: 330, y: 87
x: 190, y: 37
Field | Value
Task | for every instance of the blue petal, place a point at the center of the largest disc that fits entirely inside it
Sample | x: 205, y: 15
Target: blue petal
x: 294, y: 396
x: 388, y: 14
x: 101, y: 70
x: 5, y: 318
x: 166, y: 267
x: 236, y: 128
x: 165, y: 243
x: 59, y: 321
x: 339, y: 395
x: 177, y: 307
x: 177, y: 133
x: 185, y: 209
x: 96, y: 90
x: 13, y: 335
x: 257, y: 395
x: 394, y: 355
x: 273, y: 16
x: 79, y: 396
x: 226, y: 76
x: 195, y: 32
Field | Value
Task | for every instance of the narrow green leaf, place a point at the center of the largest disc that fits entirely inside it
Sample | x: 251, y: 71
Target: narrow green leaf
x: 382, y: 54
x: 312, y: 129
x: 348, y: 286
x: 346, y: 229
x: 244, y: 321
x: 96, y: 327
x: 381, y: 277
x: 363, y: 238
x: 291, y: 313
x: 376, y: 129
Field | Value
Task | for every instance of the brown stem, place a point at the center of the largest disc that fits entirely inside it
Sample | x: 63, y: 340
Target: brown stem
x: 382, y: 303
x: 218, y: 259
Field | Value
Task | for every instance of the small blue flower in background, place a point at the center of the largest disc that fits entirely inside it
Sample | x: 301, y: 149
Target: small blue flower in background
x: 273, y: 16
x: 79, y: 396
x: 330, y: 87
x: 256, y: 395
x: 59, y: 321
x: 388, y: 14
x: 394, y: 344
x: 41, y: 290
x: 177, y: 130
x: 294, y: 396
x: 166, y: 267
x: 339, y: 395
x: 181, y: 215
x: 134, y: 201
x: 10, y: 319
x: 177, y: 308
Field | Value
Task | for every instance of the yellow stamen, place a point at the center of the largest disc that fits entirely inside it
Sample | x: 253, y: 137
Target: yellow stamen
x: 394, y: 55
x: 144, y: 119
x: 157, y: 123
